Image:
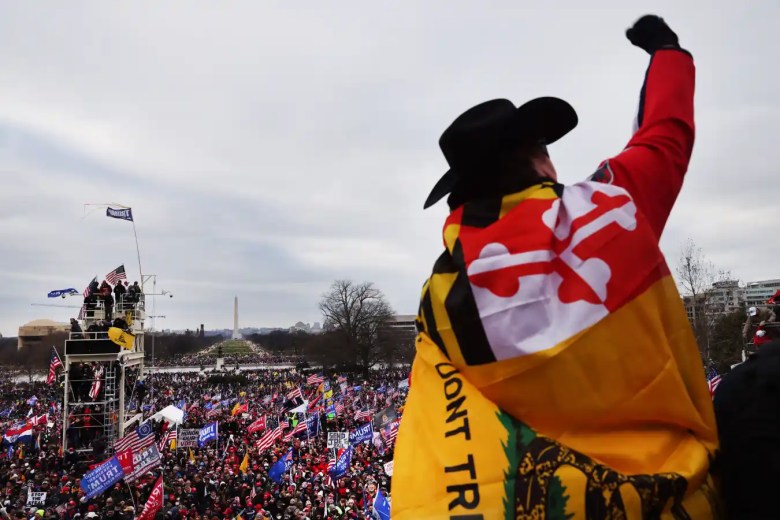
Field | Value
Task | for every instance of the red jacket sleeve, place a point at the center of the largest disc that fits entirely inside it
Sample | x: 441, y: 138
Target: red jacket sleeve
x: 653, y: 164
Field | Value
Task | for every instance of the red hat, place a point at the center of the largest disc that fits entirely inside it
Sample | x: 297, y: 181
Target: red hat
x: 91, y: 507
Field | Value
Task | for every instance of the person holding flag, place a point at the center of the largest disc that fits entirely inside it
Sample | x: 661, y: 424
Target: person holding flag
x: 54, y: 364
x: 532, y: 394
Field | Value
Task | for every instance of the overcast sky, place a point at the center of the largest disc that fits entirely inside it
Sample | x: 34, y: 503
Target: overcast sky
x: 268, y: 148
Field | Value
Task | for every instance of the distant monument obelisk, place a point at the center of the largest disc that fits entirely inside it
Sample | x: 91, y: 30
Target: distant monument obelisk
x: 236, y: 335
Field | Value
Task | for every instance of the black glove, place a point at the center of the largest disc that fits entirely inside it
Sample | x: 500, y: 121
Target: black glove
x: 651, y: 33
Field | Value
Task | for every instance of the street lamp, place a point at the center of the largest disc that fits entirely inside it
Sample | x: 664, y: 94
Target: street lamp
x: 153, y: 278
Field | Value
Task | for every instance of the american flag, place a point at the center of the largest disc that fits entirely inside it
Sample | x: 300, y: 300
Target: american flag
x: 97, y: 384
x: 268, y: 439
x: 300, y: 427
x: 315, y: 379
x: 86, y: 291
x: 713, y: 380
x: 140, y: 438
x: 362, y: 415
x: 117, y: 274
x: 339, y: 408
x: 214, y: 411
x: 341, y: 379
x: 331, y: 466
x: 170, y: 435
x: 391, y: 432
x: 54, y: 364
x: 284, y: 423
x: 295, y: 393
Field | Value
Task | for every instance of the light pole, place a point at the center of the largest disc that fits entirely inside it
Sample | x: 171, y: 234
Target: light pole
x: 153, y: 278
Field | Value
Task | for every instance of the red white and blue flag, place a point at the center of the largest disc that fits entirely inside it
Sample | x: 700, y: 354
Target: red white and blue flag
x: 54, y: 364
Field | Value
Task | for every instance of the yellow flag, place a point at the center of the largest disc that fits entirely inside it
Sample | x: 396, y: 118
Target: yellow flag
x: 121, y: 338
x: 21, y: 452
x: 192, y: 457
x: 173, y: 444
x: 244, y: 463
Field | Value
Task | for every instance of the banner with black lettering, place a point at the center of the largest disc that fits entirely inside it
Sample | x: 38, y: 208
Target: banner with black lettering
x: 188, y: 438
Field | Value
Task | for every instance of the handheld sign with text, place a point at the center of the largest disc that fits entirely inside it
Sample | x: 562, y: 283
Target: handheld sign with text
x: 338, y: 440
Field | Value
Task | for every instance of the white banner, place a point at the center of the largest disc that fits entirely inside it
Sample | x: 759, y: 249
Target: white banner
x: 389, y: 468
x: 338, y: 440
x: 36, y: 498
x: 188, y: 438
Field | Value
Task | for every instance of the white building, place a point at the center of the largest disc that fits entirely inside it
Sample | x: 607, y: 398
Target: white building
x: 757, y: 293
x: 725, y: 297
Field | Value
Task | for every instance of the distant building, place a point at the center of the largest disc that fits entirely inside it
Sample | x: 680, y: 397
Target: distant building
x: 306, y: 327
x: 32, y: 334
x: 404, y: 323
x: 725, y: 297
x: 757, y: 293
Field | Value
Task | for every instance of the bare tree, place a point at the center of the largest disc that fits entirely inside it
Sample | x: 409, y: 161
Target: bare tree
x: 697, y: 278
x: 359, y: 311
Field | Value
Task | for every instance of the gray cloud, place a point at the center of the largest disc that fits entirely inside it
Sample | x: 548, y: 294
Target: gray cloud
x: 268, y: 149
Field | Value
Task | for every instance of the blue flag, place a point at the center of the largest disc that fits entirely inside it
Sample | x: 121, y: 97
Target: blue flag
x: 122, y: 214
x: 281, y: 467
x: 103, y: 477
x: 361, y: 434
x: 382, y: 506
x: 342, y: 464
x: 208, y: 433
x: 63, y: 292
x: 313, y: 425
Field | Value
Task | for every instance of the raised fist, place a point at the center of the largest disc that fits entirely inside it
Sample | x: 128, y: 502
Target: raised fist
x: 651, y: 33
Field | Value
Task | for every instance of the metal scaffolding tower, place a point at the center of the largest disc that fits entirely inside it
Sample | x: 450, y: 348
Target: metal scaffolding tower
x: 100, y: 375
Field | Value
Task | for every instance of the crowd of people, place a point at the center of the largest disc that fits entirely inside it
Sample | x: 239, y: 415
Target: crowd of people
x: 210, y: 481
x: 208, y: 358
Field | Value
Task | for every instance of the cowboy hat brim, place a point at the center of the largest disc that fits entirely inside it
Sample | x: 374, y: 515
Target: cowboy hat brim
x: 544, y: 119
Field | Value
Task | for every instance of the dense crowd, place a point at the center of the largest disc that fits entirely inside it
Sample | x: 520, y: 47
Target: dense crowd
x: 208, y: 482
x: 230, y: 360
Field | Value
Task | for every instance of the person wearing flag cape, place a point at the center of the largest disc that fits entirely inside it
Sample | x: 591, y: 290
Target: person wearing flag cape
x: 556, y: 374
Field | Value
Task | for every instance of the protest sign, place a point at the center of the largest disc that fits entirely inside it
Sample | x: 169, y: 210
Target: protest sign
x: 36, y: 498
x: 338, y: 440
x: 188, y: 438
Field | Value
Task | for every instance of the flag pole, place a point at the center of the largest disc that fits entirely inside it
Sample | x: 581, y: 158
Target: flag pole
x: 138, y: 252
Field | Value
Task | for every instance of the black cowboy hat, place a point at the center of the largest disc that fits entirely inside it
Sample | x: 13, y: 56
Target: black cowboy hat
x: 474, y: 138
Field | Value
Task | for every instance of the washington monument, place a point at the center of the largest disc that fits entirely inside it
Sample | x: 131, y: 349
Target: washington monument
x: 236, y: 335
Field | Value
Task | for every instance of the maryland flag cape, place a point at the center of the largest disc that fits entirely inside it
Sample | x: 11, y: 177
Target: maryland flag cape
x: 556, y: 374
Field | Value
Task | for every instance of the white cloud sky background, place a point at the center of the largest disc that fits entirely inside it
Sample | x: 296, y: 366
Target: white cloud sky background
x: 269, y: 148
